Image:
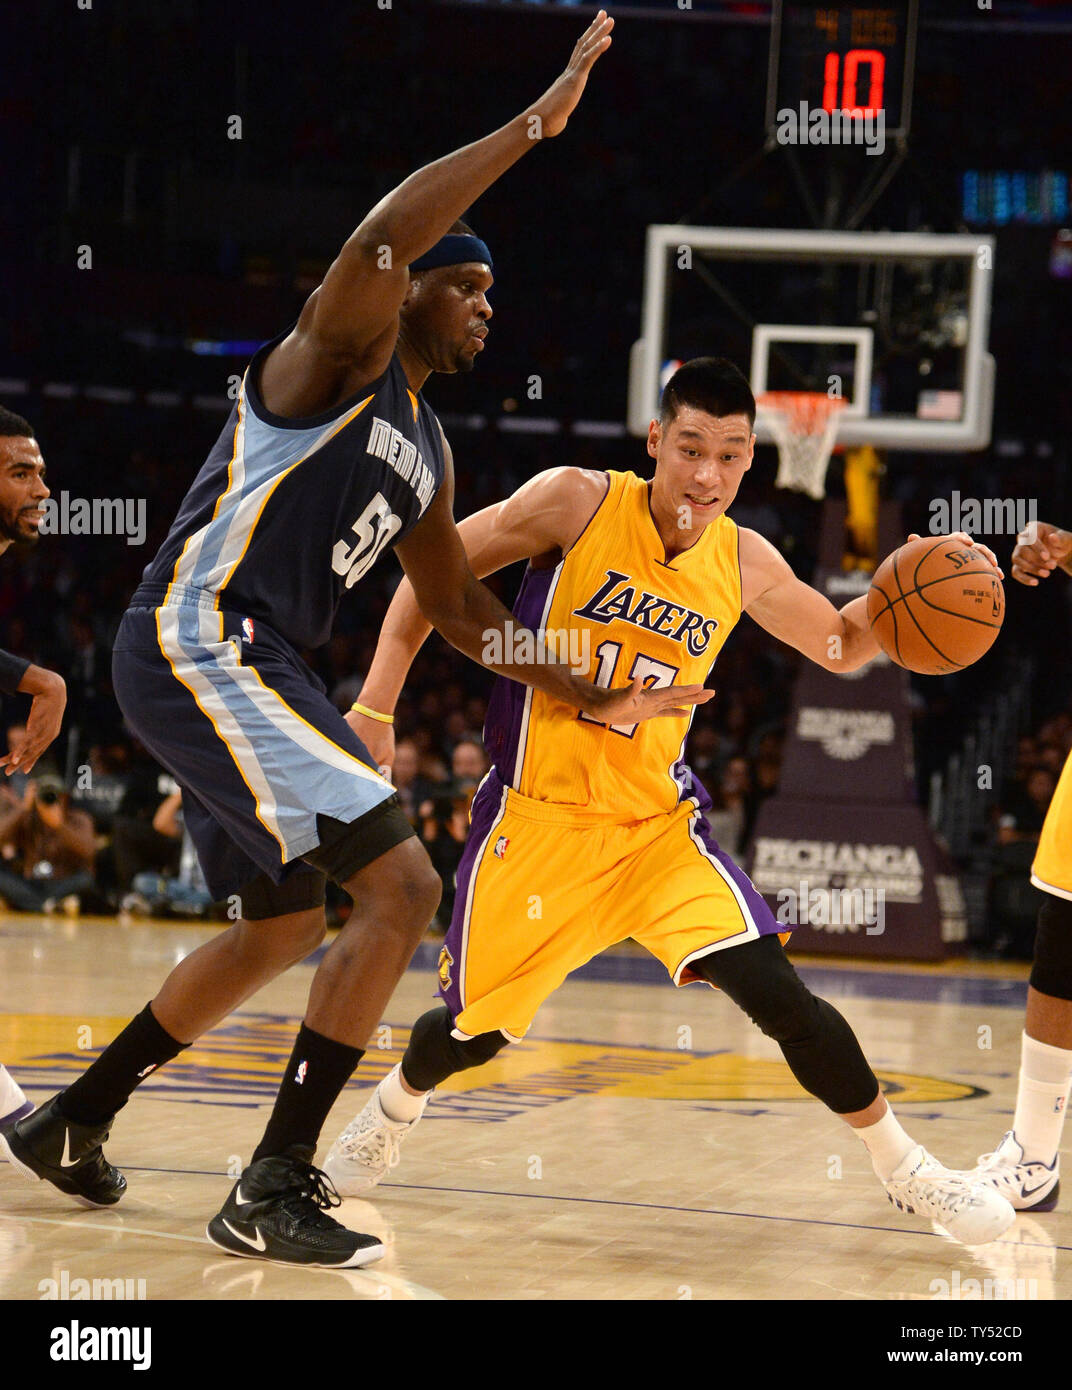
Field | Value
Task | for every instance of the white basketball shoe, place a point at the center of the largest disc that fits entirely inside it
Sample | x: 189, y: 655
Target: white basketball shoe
x: 368, y: 1148
x: 1028, y: 1186
x: 970, y: 1211
x: 13, y: 1103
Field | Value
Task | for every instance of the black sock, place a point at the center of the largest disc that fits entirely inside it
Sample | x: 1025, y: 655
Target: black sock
x: 317, y: 1071
x: 106, y: 1085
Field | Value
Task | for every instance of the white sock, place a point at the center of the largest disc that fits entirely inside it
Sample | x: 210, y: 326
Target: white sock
x: 887, y: 1143
x: 398, y: 1104
x: 1045, y: 1072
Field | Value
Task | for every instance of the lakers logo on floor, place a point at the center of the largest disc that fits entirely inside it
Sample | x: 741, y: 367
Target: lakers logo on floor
x: 242, y: 1061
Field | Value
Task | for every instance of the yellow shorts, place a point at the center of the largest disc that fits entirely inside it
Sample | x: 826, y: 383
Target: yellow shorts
x: 543, y: 888
x: 1052, y: 869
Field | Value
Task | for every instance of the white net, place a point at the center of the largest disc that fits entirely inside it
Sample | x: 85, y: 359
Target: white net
x: 804, y: 425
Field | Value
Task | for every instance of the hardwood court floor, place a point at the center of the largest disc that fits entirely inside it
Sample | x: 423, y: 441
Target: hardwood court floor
x: 645, y: 1143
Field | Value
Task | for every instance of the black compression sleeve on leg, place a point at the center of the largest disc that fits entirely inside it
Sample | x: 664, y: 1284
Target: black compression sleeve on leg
x: 819, y: 1046
x: 433, y: 1054
x: 1051, y: 971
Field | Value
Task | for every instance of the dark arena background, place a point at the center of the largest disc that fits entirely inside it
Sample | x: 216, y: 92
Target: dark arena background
x: 179, y: 176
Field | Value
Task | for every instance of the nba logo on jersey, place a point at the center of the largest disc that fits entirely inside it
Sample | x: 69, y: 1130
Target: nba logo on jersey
x: 247, y: 629
x: 299, y: 1075
x: 500, y: 846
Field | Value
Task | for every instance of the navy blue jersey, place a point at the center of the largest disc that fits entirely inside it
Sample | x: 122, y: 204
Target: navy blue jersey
x: 286, y: 515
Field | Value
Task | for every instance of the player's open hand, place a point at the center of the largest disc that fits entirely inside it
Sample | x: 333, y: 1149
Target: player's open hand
x: 42, y: 726
x: 1039, y: 550
x: 378, y: 738
x: 965, y: 539
x: 556, y: 105
x: 634, y: 703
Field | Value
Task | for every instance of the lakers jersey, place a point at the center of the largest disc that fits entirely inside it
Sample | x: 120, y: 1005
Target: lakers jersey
x: 287, y: 515
x: 616, y: 609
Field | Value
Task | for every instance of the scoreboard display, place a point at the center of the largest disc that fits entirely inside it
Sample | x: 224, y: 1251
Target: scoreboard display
x: 855, y: 58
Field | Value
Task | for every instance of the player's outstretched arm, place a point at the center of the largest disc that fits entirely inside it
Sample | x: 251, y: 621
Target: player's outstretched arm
x: 472, y: 619
x: 544, y: 515
x: 1040, y: 550
x: 364, y: 288
x: 839, y: 640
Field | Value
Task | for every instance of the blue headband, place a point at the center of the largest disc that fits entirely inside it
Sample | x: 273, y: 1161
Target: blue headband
x: 453, y: 250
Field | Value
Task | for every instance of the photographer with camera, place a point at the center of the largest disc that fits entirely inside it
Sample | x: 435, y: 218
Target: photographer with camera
x: 48, y: 850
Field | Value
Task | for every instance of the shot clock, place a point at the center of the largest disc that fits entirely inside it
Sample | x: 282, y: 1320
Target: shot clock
x: 855, y: 58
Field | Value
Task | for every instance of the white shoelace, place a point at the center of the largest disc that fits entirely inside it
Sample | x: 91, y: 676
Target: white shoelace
x: 373, y: 1145
x: 950, y: 1194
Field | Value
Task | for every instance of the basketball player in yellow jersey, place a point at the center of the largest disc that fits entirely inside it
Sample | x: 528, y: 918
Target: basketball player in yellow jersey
x: 1025, y: 1165
x: 605, y: 824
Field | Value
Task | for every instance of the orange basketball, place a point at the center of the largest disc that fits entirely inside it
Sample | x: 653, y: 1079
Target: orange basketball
x: 935, y: 605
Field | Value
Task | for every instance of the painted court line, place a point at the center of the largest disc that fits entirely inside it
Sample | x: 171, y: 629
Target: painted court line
x: 596, y: 1201
x: 691, y: 1211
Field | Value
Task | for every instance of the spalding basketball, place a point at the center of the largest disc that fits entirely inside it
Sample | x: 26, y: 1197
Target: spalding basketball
x: 935, y: 605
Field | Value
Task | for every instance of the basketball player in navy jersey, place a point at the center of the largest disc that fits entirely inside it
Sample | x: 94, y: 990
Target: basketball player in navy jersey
x: 329, y: 458
x: 22, y: 496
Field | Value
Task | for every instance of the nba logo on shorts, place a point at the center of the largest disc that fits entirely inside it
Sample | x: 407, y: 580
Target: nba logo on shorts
x: 299, y: 1075
x: 500, y: 846
x: 247, y: 629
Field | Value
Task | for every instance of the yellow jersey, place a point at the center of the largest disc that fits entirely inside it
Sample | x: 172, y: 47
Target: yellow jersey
x: 615, y: 608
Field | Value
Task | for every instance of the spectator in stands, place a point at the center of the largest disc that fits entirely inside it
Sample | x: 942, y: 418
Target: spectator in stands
x: 444, y: 826
x: 413, y: 789
x: 136, y: 845
x: 703, y: 755
x: 1024, y: 811
x: 468, y: 761
x: 731, y: 796
x: 160, y: 895
x: 48, y: 849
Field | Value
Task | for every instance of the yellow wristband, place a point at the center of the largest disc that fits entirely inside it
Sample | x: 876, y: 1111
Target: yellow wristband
x: 372, y: 714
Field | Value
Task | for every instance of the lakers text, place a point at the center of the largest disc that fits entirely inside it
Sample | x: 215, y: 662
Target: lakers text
x: 806, y: 125
x: 521, y: 646
x: 825, y: 907
x: 986, y: 516
x: 94, y: 516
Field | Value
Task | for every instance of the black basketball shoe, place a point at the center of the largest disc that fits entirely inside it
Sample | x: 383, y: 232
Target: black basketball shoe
x: 47, y: 1145
x: 276, y: 1211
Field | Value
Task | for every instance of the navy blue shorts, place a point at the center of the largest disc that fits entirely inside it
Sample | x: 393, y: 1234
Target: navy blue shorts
x: 228, y: 707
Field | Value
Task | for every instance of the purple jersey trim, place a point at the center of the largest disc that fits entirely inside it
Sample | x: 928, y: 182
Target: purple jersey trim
x: 506, y: 704
x: 692, y: 789
x: 757, y: 906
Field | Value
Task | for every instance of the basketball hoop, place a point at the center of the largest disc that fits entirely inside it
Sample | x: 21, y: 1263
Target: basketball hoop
x: 804, y: 425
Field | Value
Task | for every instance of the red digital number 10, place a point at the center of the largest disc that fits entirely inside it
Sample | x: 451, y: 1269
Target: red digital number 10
x: 876, y: 63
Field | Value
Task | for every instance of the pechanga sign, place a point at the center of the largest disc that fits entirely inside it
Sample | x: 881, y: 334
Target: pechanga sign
x: 843, y: 851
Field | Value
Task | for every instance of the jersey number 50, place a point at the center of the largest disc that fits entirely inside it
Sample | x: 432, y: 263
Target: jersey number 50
x: 374, y: 528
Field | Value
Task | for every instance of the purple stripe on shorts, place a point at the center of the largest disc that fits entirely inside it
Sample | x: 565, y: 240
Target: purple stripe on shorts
x: 485, y: 808
x: 506, y: 704
x: 761, y: 914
